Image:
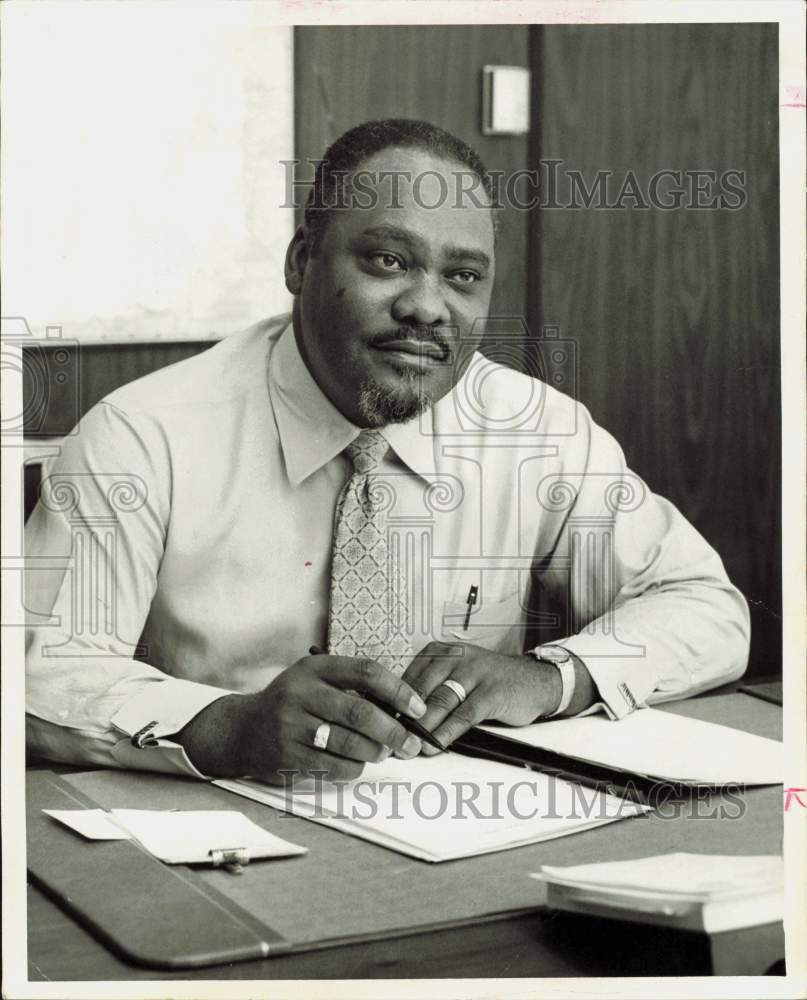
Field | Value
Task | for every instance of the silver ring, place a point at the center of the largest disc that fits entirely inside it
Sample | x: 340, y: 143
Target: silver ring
x: 322, y: 735
x: 456, y: 687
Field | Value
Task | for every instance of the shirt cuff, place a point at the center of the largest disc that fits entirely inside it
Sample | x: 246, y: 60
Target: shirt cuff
x: 161, y: 709
x: 623, y: 681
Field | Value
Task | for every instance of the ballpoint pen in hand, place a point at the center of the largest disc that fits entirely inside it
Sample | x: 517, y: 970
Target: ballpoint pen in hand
x: 412, y: 725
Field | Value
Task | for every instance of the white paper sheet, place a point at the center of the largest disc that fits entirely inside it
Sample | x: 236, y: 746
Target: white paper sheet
x: 178, y: 837
x: 94, y: 824
x: 189, y: 836
x: 447, y: 806
x: 659, y: 745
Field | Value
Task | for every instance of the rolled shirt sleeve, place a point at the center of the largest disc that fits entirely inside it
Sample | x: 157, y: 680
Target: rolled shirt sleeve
x: 654, y: 614
x: 93, y: 550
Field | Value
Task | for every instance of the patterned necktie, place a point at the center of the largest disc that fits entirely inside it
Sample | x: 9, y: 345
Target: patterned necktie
x: 368, y: 598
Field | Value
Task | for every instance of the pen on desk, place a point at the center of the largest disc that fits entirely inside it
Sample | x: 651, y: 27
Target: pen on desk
x: 412, y: 725
x: 470, y: 602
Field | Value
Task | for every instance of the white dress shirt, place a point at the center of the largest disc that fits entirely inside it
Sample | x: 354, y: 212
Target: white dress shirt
x: 191, y: 513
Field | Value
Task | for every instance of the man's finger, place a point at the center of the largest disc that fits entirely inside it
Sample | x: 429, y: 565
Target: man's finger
x: 353, y: 712
x: 349, y: 744
x: 310, y: 763
x: 470, y: 713
x: 336, y: 768
x: 441, y: 702
x: 432, y: 676
x: 436, y: 657
x: 369, y: 677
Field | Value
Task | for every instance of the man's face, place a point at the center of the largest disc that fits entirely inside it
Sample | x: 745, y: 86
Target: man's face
x: 392, y: 305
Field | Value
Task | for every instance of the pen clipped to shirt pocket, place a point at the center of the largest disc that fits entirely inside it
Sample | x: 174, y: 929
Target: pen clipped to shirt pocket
x: 493, y: 624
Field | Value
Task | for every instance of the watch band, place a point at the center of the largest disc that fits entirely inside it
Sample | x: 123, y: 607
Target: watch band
x: 567, y: 679
x: 562, y: 659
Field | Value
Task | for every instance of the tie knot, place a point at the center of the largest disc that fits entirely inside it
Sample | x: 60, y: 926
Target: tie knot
x: 367, y: 451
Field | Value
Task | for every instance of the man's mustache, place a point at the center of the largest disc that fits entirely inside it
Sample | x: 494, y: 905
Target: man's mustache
x: 418, y: 334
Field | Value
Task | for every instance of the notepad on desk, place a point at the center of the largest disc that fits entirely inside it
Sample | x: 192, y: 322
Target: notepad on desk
x: 447, y: 806
x: 658, y: 745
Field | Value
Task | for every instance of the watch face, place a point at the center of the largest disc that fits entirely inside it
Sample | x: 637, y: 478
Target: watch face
x: 554, y: 654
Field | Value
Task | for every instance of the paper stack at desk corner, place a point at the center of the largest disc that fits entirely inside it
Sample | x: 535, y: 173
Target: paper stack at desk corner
x: 710, y: 892
x: 658, y: 745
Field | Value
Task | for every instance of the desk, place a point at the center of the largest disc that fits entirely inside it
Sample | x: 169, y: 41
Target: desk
x: 507, y: 933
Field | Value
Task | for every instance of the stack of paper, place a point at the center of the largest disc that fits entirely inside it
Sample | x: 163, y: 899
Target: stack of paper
x: 693, y: 891
x: 658, y: 745
x: 447, y: 806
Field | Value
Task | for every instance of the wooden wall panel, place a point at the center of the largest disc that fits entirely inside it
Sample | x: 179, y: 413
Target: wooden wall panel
x: 346, y: 75
x: 60, y: 383
x: 675, y: 313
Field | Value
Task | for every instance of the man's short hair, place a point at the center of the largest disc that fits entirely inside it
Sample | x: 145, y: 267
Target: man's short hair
x: 361, y: 142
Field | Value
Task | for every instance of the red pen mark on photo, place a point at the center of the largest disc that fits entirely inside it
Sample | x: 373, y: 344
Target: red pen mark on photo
x: 308, y: 563
x: 796, y: 96
x: 793, y: 793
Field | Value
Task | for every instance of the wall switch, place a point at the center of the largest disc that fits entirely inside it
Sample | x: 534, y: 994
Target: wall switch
x: 505, y: 100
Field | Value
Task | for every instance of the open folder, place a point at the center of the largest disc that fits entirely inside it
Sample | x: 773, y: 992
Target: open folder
x: 445, y: 807
x: 645, y: 747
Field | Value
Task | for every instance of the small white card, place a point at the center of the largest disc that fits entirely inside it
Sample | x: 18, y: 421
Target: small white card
x: 94, y: 824
x: 179, y: 837
x: 188, y: 837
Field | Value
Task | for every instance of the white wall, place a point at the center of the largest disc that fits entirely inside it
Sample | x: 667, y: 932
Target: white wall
x: 142, y: 182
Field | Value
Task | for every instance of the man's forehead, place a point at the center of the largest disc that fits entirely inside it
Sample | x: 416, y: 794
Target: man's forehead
x: 422, y: 174
x: 413, y: 190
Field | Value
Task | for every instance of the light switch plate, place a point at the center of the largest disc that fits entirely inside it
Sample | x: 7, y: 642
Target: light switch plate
x: 505, y: 100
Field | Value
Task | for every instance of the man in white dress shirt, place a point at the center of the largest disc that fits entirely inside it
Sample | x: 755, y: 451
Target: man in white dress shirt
x: 358, y: 478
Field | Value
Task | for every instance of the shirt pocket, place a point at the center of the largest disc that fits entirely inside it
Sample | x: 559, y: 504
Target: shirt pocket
x: 495, y: 625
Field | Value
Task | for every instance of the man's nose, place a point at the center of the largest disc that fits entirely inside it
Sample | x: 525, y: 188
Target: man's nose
x: 422, y: 302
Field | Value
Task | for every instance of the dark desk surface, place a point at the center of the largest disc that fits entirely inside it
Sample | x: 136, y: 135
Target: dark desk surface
x: 525, y: 940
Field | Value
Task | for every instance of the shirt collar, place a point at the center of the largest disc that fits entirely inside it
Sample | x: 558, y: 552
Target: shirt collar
x: 312, y: 431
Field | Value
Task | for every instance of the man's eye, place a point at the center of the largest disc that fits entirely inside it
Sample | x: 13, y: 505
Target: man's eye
x: 465, y: 277
x: 387, y: 261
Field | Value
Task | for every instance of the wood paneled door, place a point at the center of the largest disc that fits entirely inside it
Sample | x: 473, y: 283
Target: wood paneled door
x: 674, y: 311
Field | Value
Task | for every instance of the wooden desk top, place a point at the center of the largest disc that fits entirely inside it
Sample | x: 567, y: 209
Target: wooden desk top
x: 524, y: 940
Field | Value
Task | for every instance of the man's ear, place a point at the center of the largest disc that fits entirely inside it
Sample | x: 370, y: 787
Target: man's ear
x: 296, y: 260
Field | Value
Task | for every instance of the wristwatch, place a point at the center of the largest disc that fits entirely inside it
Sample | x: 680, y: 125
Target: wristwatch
x: 561, y: 658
